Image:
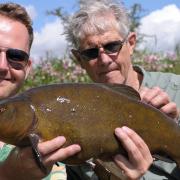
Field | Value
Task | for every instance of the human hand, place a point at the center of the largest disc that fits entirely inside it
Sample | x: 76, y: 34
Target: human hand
x: 21, y: 164
x: 159, y: 99
x: 139, y: 157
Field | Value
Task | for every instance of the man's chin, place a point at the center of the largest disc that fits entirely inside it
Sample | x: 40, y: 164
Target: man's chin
x: 7, y: 92
x: 111, y: 78
x: 4, y: 96
x: 3, y: 82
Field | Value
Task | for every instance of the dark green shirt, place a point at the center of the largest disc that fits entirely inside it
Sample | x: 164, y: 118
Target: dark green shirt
x: 169, y: 82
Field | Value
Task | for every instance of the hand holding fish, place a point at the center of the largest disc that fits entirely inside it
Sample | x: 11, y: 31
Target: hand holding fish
x: 67, y: 109
x: 139, y: 156
x: 21, y: 160
x: 138, y: 152
x: 159, y: 99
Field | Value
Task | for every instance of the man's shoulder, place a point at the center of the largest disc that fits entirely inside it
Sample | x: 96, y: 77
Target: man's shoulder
x: 161, y: 79
x: 169, y: 82
x: 163, y: 75
x: 156, y: 74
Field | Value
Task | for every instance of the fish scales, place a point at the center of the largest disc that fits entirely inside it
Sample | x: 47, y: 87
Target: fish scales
x: 87, y: 114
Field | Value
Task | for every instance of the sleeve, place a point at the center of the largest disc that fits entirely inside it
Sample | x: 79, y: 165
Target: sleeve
x: 5, y: 151
x: 57, y: 173
x: 161, y: 170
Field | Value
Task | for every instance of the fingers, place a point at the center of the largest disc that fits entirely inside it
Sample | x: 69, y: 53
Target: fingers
x: 139, y: 157
x: 155, y: 96
x: 159, y: 99
x: 137, y: 148
x: 52, y: 145
x: 171, y: 110
x: 128, y: 143
x: 52, y: 150
x: 61, y: 154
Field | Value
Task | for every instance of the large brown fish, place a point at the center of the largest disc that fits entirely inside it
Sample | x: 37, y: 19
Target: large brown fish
x: 87, y: 114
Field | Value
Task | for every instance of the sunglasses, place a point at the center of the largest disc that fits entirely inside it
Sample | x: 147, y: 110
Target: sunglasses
x: 109, y: 48
x: 16, y: 58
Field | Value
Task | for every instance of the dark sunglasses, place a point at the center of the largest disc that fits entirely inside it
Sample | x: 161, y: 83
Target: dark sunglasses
x: 17, y: 58
x: 109, y: 48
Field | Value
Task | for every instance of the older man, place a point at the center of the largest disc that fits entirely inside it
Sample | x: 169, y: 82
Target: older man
x: 103, y: 45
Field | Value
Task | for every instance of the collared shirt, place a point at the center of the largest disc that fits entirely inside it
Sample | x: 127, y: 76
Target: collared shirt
x: 57, y: 173
x: 169, y: 82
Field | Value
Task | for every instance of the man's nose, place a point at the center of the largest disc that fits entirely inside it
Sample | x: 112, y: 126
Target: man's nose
x: 104, y: 58
x: 3, y: 61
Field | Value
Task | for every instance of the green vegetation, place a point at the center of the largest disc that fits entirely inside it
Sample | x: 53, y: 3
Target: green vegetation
x: 63, y: 71
x: 164, y: 62
x: 55, y: 70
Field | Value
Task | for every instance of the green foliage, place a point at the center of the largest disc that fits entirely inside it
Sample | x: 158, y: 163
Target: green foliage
x: 55, y: 71
x: 67, y: 70
x: 164, y: 62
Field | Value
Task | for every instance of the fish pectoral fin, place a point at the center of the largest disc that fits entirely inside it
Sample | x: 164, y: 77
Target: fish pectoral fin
x: 108, y: 170
x: 34, y: 139
x: 101, y: 171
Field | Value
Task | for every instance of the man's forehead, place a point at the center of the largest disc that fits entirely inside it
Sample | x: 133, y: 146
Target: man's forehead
x: 13, y: 34
x: 3, y: 25
x: 93, y: 40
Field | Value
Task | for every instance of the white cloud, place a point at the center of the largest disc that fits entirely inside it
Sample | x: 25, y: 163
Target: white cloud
x: 31, y: 11
x: 49, y: 39
x: 162, y: 26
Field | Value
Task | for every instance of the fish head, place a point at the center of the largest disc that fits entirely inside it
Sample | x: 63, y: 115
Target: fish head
x: 16, y: 119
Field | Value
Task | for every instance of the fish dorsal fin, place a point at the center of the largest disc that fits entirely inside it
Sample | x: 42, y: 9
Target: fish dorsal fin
x: 126, y: 90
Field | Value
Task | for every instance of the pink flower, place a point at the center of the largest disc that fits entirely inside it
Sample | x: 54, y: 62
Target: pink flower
x: 151, y: 58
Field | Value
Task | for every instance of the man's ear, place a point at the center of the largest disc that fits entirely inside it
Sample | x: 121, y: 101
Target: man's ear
x: 28, y: 68
x: 132, y: 42
x: 78, y: 57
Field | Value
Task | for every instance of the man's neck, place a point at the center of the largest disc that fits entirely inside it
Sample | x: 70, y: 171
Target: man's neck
x: 135, y: 80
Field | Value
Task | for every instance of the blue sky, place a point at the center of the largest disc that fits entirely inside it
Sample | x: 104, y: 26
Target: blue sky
x: 42, y: 6
x: 161, y: 19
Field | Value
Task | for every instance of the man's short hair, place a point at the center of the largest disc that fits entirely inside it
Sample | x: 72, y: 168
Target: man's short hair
x: 17, y: 12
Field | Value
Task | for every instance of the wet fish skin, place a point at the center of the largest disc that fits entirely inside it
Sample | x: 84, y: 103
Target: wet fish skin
x: 86, y: 114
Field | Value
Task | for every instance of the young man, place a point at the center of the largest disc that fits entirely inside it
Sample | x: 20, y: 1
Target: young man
x: 103, y: 45
x: 16, y: 37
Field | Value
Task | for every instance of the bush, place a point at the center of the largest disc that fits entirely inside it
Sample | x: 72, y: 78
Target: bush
x: 164, y: 62
x: 65, y: 71
x: 55, y: 71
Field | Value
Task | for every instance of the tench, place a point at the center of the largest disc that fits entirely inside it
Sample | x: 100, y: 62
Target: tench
x: 87, y: 114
